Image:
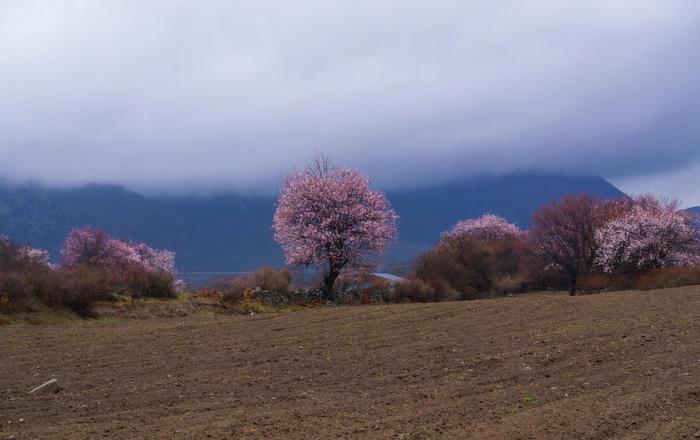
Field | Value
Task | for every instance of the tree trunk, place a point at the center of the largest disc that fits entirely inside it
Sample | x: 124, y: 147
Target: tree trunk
x: 572, y: 284
x: 328, y: 283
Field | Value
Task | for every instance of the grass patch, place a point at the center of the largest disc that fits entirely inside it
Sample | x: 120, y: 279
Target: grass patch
x: 250, y: 306
x: 183, y: 298
x: 43, y: 316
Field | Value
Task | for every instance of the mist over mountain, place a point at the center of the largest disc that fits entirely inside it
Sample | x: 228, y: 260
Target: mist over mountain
x: 231, y: 232
x: 176, y: 96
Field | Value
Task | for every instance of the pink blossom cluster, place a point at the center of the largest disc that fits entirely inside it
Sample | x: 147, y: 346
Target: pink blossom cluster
x: 94, y: 247
x: 487, y: 227
x: 333, y: 218
x: 40, y: 256
x: 35, y: 255
x: 650, y: 235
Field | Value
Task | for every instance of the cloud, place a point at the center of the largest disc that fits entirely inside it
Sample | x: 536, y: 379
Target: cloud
x: 682, y: 185
x: 195, y: 95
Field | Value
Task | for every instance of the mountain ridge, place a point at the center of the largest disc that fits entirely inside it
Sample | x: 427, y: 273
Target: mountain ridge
x: 231, y: 232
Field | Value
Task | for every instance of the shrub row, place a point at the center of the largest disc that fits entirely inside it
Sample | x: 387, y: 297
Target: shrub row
x: 78, y: 288
x: 27, y: 280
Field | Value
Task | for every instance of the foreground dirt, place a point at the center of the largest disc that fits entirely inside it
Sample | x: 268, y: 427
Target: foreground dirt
x: 544, y: 366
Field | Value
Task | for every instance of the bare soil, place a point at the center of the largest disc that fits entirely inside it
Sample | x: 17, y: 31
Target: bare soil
x: 622, y: 365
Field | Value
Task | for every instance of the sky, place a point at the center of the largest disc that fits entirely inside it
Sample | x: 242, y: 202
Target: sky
x: 197, y: 96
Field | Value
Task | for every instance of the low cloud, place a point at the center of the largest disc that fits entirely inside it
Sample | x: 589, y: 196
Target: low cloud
x: 195, y: 96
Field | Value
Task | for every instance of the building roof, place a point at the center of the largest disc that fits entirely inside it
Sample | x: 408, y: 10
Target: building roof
x: 389, y: 277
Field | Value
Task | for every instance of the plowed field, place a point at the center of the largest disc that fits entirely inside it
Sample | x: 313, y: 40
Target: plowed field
x: 622, y: 365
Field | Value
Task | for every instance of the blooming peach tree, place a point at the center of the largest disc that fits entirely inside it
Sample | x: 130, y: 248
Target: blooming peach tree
x: 329, y: 217
x: 488, y: 227
x: 651, y: 235
x: 94, y: 247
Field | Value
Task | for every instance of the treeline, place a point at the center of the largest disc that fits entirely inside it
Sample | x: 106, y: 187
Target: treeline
x: 94, y: 266
x: 580, y: 243
x: 577, y: 243
x: 330, y: 217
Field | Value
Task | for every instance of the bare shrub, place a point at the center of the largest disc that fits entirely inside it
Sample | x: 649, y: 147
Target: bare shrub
x: 365, y: 289
x: 236, y: 289
x: 208, y: 292
x: 598, y: 282
x: 139, y: 283
x: 347, y: 282
x: 512, y: 283
x: 272, y: 280
x: 80, y: 287
x: 417, y: 291
x: 24, y: 273
x: 376, y: 291
x: 668, y: 277
x: 459, y: 264
x: 594, y: 282
x: 261, y: 283
x: 15, y: 292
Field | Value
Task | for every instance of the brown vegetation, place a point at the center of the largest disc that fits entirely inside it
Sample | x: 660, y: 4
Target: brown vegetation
x: 563, y: 233
x: 463, y: 267
x: 24, y: 285
x: 568, y: 246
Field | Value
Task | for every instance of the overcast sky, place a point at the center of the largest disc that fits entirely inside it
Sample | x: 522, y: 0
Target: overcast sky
x: 200, y: 95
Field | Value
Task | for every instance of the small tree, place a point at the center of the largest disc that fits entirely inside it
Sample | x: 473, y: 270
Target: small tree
x: 330, y: 217
x: 87, y: 247
x: 487, y: 227
x: 458, y: 266
x: 477, y: 255
x: 651, y: 235
x: 563, y: 233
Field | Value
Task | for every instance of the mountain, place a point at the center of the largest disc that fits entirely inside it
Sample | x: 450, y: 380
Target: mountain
x: 227, y: 232
x: 695, y: 209
x: 230, y: 232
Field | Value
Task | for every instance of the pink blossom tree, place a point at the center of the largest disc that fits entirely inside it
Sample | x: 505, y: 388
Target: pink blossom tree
x: 488, y: 227
x: 329, y: 217
x: 155, y: 260
x: 88, y: 247
x: 652, y: 234
x: 94, y: 247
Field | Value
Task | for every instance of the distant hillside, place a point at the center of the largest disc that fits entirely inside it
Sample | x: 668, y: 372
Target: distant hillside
x: 231, y: 232
x: 695, y: 209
